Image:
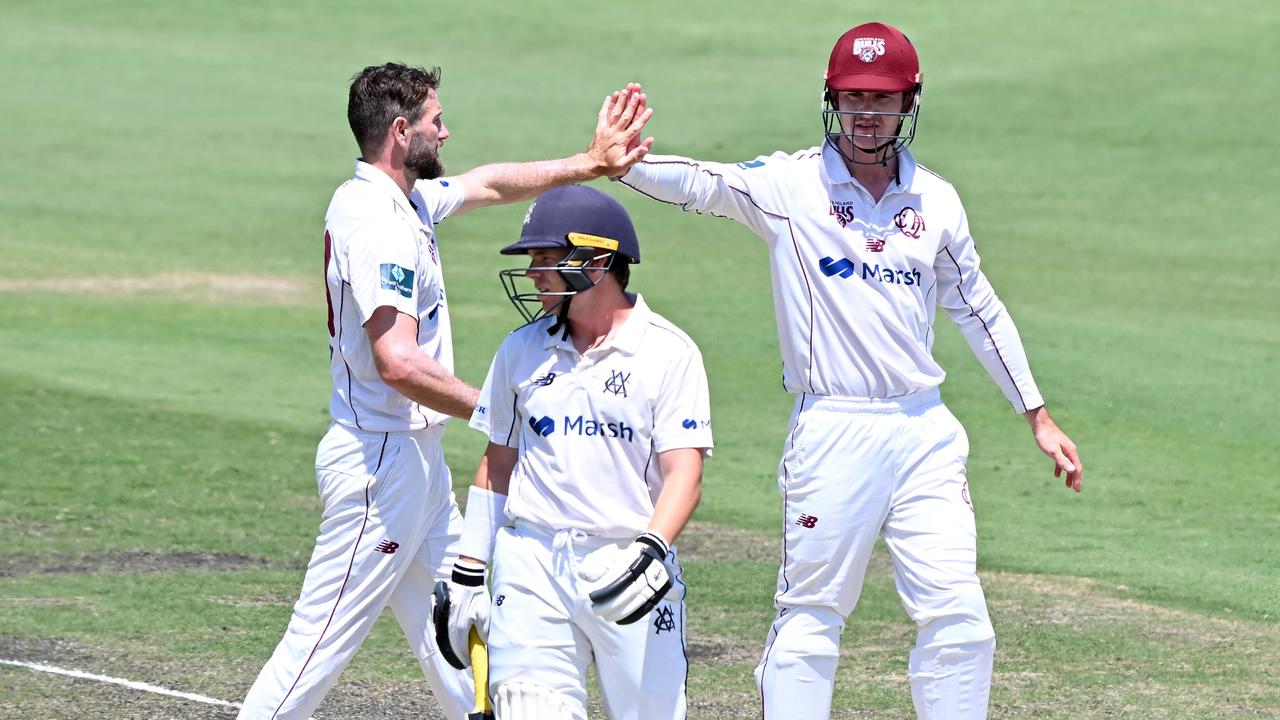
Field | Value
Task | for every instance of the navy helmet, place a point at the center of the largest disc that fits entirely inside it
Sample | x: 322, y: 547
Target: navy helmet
x: 590, y: 224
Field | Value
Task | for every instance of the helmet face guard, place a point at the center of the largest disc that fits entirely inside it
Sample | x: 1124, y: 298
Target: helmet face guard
x: 887, y: 147
x: 575, y: 269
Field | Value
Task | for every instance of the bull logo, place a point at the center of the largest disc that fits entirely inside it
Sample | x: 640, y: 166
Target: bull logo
x: 909, y: 222
x: 868, y: 49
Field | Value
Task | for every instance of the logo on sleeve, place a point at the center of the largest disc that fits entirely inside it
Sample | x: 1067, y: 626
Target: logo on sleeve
x: 397, y: 278
x: 750, y: 165
x: 543, y: 426
x: 692, y: 424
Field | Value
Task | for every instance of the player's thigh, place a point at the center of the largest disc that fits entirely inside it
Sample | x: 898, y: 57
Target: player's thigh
x: 531, y: 636
x: 836, y: 484
x: 931, y: 533
x: 642, y: 667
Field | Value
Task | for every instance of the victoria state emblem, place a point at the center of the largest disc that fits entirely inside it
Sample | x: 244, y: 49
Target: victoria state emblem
x: 868, y: 49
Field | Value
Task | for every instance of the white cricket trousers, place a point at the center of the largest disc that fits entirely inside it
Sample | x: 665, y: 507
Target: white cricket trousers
x: 853, y: 469
x: 386, y: 536
x: 543, y: 631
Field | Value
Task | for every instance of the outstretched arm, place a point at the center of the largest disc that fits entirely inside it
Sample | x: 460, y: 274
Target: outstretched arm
x: 614, y: 148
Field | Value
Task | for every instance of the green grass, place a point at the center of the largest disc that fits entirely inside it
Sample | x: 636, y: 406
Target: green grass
x: 1119, y: 169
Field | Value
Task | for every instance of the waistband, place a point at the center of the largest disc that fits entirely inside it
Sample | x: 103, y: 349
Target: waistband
x: 430, y: 432
x: 870, y: 406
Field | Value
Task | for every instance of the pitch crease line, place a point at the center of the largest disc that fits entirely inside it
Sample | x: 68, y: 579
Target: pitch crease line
x: 118, y: 681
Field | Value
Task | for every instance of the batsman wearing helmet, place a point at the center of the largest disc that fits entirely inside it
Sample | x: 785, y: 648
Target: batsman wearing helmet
x: 598, y: 420
x: 864, y: 244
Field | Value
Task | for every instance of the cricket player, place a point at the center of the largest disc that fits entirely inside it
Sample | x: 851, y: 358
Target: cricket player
x: 863, y: 244
x: 598, y: 421
x: 389, y: 512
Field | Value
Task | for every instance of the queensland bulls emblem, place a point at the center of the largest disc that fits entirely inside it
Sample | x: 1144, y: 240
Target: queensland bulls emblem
x: 868, y: 49
x: 909, y: 222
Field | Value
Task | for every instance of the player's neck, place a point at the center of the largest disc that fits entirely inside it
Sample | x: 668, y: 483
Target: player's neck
x: 595, y: 315
x: 875, y: 177
x: 398, y: 173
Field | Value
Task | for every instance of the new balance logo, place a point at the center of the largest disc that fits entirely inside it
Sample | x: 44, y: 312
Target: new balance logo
x: 543, y: 426
x: 545, y: 380
x: 807, y: 521
x: 875, y: 244
x: 388, y: 547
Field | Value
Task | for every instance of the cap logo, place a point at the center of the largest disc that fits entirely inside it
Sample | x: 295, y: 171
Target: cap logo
x: 595, y: 241
x: 868, y: 49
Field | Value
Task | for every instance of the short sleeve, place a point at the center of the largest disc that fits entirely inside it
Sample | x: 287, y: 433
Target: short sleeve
x: 682, y: 413
x: 382, y: 267
x: 441, y: 197
x: 495, y: 413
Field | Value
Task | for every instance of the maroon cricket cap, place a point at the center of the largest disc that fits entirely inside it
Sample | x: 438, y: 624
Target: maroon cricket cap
x: 873, y: 56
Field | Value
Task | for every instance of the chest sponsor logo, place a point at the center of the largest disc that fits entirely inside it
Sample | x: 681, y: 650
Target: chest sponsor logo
x: 617, y: 383
x: 396, y: 278
x: 846, y: 268
x: 542, y: 426
x: 868, y: 49
x: 909, y: 222
x: 842, y: 212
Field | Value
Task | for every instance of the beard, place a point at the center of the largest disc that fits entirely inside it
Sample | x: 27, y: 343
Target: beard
x: 423, y: 159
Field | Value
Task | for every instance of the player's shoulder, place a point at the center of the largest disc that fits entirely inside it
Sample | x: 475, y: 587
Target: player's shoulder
x: 666, y: 335
x: 529, y: 336
x: 930, y: 181
x: 356, y: 202
x: 782, y: 159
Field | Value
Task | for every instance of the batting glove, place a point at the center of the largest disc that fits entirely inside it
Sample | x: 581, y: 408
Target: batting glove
x: 640, y: 581
x: 456, y: 606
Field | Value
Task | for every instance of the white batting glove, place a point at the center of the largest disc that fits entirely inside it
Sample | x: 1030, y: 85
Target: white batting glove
x: 458, y: 605
x: 640, y: 581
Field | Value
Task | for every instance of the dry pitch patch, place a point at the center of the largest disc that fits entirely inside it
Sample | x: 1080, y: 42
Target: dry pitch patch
x: 192, y: 287
x: 1186, y: 665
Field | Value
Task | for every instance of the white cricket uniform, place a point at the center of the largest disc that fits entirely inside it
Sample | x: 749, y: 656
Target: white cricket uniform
x: 390, y: 517
x: 871, y: 449
x: 589, y: 428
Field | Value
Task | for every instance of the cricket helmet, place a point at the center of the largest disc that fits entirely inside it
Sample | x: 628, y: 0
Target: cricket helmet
x: 591, y: 224
x: 873, y: 57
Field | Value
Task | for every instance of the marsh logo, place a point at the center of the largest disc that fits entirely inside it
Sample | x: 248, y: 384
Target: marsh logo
x: 846, y: 268
x: 396, y: 278
x: 584, y: 426
x: 909, y: 222
x: 868, y: 49
x: 543, y: 426
x: 692, y: 424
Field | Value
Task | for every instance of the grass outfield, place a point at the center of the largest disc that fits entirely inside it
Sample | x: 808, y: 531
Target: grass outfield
x: 163, y: 374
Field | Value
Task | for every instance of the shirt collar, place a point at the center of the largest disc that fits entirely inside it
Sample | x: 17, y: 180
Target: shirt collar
x: 626, y: 339
x: 383, y: 181
x: 838, y: 172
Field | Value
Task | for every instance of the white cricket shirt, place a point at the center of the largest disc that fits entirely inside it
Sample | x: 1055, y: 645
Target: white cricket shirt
x: 856, y: 282
x: 380, y: 250
x: 589, y: 426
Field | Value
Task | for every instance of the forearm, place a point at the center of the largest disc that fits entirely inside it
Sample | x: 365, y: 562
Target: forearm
x: 513, y: 182
x: 428, y: 383
x: 681, y: 493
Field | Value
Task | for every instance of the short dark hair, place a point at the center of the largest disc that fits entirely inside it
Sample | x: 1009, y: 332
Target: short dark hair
x: 381, y: 93
x: 621, y: 269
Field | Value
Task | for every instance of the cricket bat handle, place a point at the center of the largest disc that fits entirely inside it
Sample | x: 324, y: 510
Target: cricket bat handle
x: 480, y: 673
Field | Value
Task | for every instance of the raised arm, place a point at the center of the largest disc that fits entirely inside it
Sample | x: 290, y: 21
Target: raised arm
x: 614, y: 148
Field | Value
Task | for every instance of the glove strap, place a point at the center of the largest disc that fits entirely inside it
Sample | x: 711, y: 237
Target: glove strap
x: 486, y: 512
x: 655, y: 541
x: 468, y: 574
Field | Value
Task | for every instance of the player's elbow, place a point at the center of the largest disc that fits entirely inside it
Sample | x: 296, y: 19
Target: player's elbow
x: 393, y: 369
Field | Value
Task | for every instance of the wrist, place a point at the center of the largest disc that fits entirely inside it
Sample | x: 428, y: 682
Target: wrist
x: 486, y: 512
x: 468, y: 572
x: 654, y: 539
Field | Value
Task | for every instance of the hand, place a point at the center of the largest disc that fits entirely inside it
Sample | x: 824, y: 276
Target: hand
x: 456, y: 606
x: 617, y: 145
x: 1055, y: 443
x: 640, y: 579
